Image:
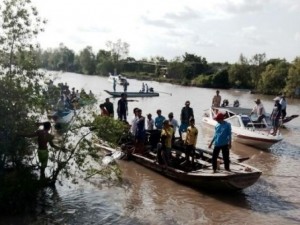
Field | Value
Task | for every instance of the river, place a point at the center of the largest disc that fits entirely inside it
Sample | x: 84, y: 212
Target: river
x: 145, y: 197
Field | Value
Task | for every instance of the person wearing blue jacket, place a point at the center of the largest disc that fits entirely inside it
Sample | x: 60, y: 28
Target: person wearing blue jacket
x: 221, y: 141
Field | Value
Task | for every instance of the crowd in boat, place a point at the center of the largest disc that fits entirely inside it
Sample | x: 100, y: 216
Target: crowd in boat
x: 69, y: 99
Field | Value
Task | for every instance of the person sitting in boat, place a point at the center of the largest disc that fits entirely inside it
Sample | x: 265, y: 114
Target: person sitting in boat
x: 151, y: 89
x: 190, y: 141
x: 164, y: 153
x: 61, y: 106
x: 225, y: 103
x: 91, y: 94
x: 259, y: 110
x: 236, y: 103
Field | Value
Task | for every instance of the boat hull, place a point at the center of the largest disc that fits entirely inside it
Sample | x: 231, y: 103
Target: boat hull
x: 241, y: 175
x: 133, y: 94
x: 202, y: 179
x: 255, y: 137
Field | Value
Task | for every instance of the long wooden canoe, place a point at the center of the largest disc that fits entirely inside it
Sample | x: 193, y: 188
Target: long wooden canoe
x: 241, y: 175
x: 133, y: 94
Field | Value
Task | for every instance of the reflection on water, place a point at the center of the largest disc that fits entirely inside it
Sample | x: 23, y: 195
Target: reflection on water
x: 146, y: 197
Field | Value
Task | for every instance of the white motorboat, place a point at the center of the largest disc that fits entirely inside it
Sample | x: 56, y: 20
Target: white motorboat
x: 244, y: 130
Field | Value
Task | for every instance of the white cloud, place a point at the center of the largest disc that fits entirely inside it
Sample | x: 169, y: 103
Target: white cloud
x: 218, y: 30
x: 297, y: 36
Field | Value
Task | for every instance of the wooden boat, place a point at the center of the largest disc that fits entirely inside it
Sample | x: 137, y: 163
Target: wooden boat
x: 133, y: 94
x: 244, y: 130
x: 62, y: 117
x: 201, y: 175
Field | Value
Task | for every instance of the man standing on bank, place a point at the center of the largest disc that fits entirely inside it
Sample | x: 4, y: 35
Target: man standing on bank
x: 222, y: 141
x: 43, y: 138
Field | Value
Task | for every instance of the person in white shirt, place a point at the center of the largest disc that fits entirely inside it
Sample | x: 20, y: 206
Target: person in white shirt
x: 150, y: 122
x: 134, y: 121
x: 173, y: 122
x: 283, y: 104
x: 259, y: 110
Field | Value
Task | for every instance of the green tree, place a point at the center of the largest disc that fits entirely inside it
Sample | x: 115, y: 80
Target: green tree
x: 194, y: 64
x: 104, y: 62
x: 87, y: 61
x: 292, y: 87
x: 20, y: 91
x: 257, y: 66
x: 22, y: 104
x: 119, y: 50
x: 239, y: 74
x: 273, y: 79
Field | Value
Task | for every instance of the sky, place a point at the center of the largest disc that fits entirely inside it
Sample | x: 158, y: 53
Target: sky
x: 218, y: 30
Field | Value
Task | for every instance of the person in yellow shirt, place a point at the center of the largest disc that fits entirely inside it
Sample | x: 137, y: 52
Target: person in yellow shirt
x: 166, y: 141
x: 190, y: 141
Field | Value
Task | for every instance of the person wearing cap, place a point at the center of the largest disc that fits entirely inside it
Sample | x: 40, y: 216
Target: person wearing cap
x: 122, y: 107
x: 159, y: 120
x: 150, y: 122
x: 283, y: 104
x: 109, y: 106
x: 186, y: 114
x: 190, y: 141
x: 216, y: 101
x: 221, y: 141
x: 275, y: 115
x: 259, y: 110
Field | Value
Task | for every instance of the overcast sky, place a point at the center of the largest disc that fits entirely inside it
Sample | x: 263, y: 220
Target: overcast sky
x: 219, y: 30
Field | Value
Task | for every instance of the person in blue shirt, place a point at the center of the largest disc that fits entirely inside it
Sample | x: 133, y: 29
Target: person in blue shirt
x: 222, y: 141
x: 159, y: 120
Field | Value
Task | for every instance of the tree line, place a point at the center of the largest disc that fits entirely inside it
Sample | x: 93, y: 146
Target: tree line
x: 266, y: 76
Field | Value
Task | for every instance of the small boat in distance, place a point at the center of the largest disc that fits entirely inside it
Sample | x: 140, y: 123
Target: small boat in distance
x: 116, y: 94
x: 120, y: 79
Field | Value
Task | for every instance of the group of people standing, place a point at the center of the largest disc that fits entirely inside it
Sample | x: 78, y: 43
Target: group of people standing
x: 278, y: 112
x: 167, y: 128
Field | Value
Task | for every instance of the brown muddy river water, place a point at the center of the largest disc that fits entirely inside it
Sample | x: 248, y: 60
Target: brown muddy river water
x: 146, y: 197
